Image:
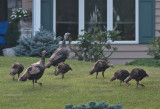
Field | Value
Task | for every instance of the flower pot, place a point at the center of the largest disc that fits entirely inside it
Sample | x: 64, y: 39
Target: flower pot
x: 24, y: 24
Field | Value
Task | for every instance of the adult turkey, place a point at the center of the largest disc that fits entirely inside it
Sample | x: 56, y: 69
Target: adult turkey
x: 121, y: 75
x: 100, y: 66
x: 35, y: 71
x: 138, y: 74
x: 17, y: 68
x: 60, y: 55
x: 62, y: 68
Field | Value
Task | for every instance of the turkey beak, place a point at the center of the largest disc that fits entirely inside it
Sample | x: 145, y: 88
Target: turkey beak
x: 56, y: 72
x: 13, y: 72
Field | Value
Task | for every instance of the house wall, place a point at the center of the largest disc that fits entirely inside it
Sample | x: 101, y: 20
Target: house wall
x: 157, y: 16
x: 26, y: 4
x: 125, y: 53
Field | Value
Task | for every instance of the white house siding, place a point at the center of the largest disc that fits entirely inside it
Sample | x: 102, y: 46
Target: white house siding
x: 157, y: 16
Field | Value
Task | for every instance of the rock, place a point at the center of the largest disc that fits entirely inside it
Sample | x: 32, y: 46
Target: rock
x: 8, y: 52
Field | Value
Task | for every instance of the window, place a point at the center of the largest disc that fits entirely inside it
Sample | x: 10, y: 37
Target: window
x: 124, y: 18
x: 95, y: 13
x: 67, y: 17
x: 76, y: 15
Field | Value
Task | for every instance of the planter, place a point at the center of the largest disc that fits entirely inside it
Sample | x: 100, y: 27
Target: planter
x: 25, y: 28
x: 24, y: 24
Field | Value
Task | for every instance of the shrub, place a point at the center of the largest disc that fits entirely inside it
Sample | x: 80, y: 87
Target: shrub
x: 94, y: 105
x: 154, y: 48
x: 93, y: 43
x: 43, y: 40
x: 12, y: 35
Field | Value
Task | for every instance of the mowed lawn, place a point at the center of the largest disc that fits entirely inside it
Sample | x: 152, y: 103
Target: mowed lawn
x: 77, y: 87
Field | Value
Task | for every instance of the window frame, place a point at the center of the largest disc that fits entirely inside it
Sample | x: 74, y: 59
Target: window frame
x: 81, y: 19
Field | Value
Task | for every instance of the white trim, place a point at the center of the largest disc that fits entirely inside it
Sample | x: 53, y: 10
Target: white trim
x: 81, y: 19
x: 54, y: 17
x: 36, y: 16
x: 137, y: 21
x: 109, y: 14
x: 110, y: 27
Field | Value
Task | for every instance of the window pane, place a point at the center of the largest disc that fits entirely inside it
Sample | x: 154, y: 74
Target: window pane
x: 124, y: 18
x: 95, y: 13
x: 67, y: 17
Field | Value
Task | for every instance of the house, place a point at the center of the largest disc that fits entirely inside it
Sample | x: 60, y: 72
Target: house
x: 137, y: 20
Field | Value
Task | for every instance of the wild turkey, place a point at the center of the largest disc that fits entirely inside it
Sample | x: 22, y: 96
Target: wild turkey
x: 60, y: 55
x: 17, y: 68
x: 137, y: 74
x: 121, y: 75
x: 100, y: 66
x: 34, y: 71
x: 62, y: 68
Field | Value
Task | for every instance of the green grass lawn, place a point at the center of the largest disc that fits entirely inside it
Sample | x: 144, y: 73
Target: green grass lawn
x: 77, y: 87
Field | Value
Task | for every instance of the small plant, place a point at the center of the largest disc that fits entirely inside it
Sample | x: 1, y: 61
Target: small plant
x: 94, y: 105
x: 93, y: 43
x: 154, y: 48
x: 19, y: 14
x: 43, y: 40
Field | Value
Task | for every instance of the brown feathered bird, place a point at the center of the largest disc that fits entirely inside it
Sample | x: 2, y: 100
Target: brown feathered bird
x: 62, y: 68
x: 17, y: 68
x: 121, y: 75
x: 138, y: 74
x: 34, y: 71
x: 60, y: 55
x: 100, y: 66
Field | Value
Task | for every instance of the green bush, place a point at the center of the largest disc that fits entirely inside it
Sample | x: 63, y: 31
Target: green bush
x: 145, y: 62
x: 12, y: 35
x: 93, y: 43
x: 43, y: 40
x: 154, y: 48
x: 94, y: 105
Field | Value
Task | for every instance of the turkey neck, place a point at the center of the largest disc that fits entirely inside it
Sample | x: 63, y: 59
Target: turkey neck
x: 63, y: 43
x: 42, y: 60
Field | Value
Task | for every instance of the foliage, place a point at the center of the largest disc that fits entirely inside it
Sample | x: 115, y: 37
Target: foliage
x: 94, y: 105
x: 145, y: 62
x: 43, y: 40
x: 93, y: 43
x: 77, y: 87
x: 154, y: 48
x: 12, y: 34
x: 20, y: 14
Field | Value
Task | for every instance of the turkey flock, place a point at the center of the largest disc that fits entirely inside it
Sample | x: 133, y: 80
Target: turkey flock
x: 35, y: 71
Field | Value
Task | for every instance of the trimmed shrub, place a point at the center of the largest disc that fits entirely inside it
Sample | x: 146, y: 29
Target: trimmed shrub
x: 94, y: 105
x: 12, y: 34
x: 43, y: 40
